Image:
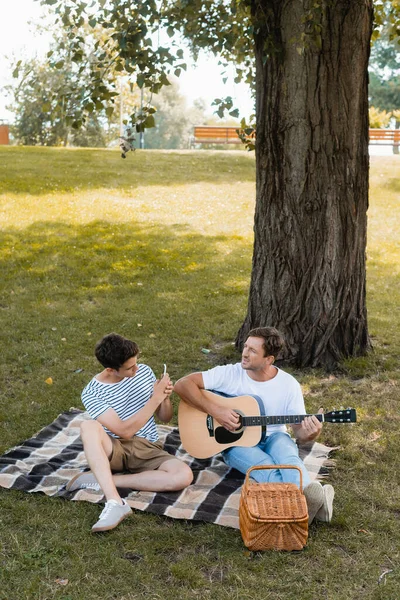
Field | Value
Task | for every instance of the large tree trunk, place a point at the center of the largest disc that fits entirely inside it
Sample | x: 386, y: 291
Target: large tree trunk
x: 308, y: 276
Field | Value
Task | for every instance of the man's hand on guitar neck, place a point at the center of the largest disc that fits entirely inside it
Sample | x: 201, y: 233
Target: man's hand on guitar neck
x: 309, y: 429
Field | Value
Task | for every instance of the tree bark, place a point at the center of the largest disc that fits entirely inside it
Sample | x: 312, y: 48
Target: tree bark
x: 309, y: 263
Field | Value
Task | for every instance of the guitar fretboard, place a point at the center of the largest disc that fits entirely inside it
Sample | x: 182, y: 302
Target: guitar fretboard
x: 277, y: 420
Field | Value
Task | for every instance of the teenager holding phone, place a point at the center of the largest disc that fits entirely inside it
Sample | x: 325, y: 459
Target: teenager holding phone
x: 120, y: 440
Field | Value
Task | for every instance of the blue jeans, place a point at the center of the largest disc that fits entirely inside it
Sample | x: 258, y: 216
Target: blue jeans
x: 278, y: 449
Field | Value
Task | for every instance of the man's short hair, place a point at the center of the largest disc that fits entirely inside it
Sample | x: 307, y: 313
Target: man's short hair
x: 114, y: 350
x: 274, y: 341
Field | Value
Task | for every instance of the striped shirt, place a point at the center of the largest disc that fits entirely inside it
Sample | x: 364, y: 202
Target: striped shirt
x: 126, y: 397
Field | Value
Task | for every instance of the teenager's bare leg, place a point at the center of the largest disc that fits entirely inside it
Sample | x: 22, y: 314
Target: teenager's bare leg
x: 98, y: 448
x: 171, y: 476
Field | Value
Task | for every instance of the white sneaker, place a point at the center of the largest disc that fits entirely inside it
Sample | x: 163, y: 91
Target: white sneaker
x: 113, y: 513
x: 83, y: 481
x: 325, y: 512
x: 314, y: 493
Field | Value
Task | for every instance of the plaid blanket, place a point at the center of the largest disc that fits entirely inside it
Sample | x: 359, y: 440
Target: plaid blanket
x: 48, y: 460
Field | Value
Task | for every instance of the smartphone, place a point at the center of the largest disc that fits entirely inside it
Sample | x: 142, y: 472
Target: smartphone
x: 165, y: 370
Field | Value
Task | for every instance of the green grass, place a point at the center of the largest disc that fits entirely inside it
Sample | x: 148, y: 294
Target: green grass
x: 158, y: 247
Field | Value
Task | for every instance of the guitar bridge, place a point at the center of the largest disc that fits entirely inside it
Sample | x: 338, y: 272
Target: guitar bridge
x: 210, y: 425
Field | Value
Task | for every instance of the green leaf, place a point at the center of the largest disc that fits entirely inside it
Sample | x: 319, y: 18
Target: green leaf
x: 164, y: 79
x: 59, y: 64
x: 109, y: 111
x: 149, y: 122
x: 46, y: 107
x: 234, y: 113
x: 77, y: 57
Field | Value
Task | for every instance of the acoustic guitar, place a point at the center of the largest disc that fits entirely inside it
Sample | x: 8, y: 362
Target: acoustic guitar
x: 202, y: 436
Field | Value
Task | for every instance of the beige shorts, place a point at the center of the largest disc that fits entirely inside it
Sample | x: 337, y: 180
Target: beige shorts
x: 136, y: 455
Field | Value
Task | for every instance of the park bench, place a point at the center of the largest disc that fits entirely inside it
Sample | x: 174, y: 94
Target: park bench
x: 384, y: 137
x: 4, y: 134
x: 228, y: 135
x: 215, y: 135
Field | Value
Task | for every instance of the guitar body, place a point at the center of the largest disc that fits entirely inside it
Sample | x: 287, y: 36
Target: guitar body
x: 202, y: 436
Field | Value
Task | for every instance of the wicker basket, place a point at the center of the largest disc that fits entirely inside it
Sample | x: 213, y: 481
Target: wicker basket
x: 273, y: 516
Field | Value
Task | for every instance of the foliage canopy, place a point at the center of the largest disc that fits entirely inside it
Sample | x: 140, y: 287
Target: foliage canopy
x: 145, y: 40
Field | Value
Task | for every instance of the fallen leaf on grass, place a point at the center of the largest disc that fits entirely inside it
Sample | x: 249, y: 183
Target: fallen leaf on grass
x: 364, y: 531
x: 385, y: 572
x: 61, y: 581
x: 49, y: 381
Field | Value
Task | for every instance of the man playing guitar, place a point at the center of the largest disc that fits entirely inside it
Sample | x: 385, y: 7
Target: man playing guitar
x: 280, y: 393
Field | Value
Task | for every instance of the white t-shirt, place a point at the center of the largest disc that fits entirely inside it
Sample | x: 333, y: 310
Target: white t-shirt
x: 126, y: 397
x: 281, y: 395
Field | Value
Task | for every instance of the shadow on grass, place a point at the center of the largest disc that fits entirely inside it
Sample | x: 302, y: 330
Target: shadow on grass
x: 174, y: 291
x: 393, y: 185
x: 67, y: 170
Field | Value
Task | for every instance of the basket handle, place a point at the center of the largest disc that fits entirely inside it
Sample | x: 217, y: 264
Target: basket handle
x: 261, y: 467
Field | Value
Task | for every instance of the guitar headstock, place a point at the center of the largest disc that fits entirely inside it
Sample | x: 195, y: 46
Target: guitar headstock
x: 344, y: 415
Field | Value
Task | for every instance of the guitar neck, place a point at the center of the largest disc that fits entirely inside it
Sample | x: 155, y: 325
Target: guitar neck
x: 277, y: 420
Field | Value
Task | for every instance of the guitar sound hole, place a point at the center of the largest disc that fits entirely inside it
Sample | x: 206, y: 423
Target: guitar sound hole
x: 223, y: 436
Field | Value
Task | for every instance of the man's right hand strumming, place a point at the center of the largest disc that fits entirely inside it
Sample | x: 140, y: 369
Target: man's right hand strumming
x: 227, y: 417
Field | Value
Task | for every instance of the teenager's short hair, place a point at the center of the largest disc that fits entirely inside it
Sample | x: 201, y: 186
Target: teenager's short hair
x: 114, y: 350
x: 274, y: 341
